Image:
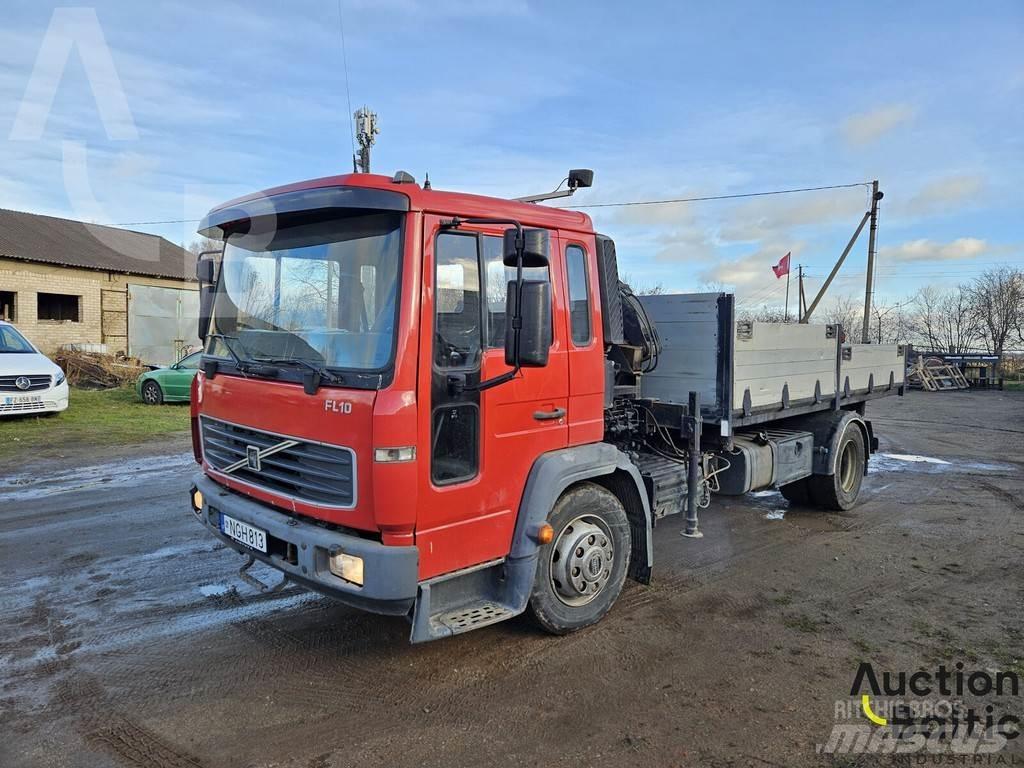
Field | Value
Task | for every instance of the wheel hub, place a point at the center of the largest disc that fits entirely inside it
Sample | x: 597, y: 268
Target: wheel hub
x: 581, y: 560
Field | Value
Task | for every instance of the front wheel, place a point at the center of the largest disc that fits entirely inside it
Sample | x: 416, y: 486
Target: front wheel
x: 152, y: 394
x: 581, y: 571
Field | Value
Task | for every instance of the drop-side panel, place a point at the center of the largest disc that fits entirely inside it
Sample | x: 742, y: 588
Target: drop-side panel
x: 771, y: 358
x: 872, y: 367
x: 695, y: 329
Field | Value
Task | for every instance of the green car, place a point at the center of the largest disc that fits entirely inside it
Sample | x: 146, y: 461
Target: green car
x: 169, y: 385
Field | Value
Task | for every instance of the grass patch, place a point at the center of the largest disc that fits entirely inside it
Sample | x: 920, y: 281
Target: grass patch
x: 1013, y: 386
x: 866, y: 649
x: 803, y: 623
x: 106, y: 417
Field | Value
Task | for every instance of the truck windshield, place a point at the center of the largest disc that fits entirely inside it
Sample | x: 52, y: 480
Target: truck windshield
x: 324, y: 292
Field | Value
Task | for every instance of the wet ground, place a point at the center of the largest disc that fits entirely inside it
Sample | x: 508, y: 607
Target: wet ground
x: 127, y: 640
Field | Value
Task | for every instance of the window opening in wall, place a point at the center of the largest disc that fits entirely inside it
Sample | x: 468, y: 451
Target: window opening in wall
x: 58, y: 306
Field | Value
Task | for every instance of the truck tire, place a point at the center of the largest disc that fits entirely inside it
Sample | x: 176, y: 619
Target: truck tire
x: 581, y: 570
x: 839, y: 491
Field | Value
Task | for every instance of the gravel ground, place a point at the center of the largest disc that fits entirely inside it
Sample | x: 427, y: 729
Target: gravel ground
x: 127, y: 640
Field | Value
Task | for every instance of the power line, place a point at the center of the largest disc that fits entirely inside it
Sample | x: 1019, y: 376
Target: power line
x: 597, y: 205
x: 348, y: 90
x: 720, y: 197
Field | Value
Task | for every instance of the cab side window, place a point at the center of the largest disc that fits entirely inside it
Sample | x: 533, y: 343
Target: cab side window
x: 496, y: 280
x: 457, y: 339
x: 579, y: 295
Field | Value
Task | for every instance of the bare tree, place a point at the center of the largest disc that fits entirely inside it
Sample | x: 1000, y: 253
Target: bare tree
x: 204, y: 244
x: 643, y: 288
x: 764, y: 313
x: 890, y: 323
x: 844, y: 311
x: 997, y: 297
x: 943, y: 321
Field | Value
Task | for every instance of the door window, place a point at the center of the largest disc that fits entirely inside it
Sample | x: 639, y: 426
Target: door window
x: 191, y: 362
x: 455, y: 414
x: 579, y: 295
x: 496, y: 279
x: 457, y: 301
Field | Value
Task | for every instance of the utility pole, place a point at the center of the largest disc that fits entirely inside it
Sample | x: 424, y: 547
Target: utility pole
x: 832, y: 274
x: 801, y: 299
x: 788, y: 275
x: 869, y: 286
x: 366, y: 132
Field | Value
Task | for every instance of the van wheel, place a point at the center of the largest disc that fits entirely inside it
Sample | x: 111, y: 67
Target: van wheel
x: 839, y: 491
x: 581, y: 571
x: 152, y: 394
x: 798, y: 493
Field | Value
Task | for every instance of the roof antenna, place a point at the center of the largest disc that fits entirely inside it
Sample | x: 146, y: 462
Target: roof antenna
x: 366, y: 133
x: 426, y: 180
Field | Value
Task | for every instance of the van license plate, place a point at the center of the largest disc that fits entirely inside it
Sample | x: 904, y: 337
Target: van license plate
x: 243, y: 533
x: 22, y: 399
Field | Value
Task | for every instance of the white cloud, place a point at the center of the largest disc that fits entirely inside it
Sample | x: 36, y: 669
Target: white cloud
x: 772, y: 218
x: 867, y: 127
x: 929, y: 250
x: 940, y: 195
x: 753, y: 271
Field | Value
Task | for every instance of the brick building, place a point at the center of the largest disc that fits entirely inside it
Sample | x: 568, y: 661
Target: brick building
x: 68, y: 282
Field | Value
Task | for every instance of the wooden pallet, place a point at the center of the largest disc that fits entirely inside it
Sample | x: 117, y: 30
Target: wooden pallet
x: 934, y: 374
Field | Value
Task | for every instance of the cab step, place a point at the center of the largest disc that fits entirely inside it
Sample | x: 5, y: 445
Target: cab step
x: 472, y: 598
x: 465, y: 619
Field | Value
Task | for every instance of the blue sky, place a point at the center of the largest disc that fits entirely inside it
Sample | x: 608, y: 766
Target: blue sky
x: 660, y: 99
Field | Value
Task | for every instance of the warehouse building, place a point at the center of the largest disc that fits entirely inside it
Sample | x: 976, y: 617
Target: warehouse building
x: 68, y: 282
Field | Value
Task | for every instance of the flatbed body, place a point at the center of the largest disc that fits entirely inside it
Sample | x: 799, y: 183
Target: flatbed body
x: 749, y: 373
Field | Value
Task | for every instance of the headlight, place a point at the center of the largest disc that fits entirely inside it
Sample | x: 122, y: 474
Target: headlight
x: 59, y: 379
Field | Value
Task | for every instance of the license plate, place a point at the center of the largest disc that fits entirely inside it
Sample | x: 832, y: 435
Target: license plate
x: 243, y: 533
x: 21, y: 399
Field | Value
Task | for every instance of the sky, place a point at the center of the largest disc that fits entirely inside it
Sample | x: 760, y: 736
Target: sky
x: 125, y: 112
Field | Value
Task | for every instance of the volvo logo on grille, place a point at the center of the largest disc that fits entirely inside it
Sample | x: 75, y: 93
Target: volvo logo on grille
x: 252, y: 458
x: 22, y: 382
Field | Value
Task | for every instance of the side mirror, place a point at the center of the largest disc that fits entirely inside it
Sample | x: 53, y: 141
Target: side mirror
x: 206, y: 274
x: 206, y: 295
x: 206, y: 270
x: 535, y: 248
x: 535, y: 333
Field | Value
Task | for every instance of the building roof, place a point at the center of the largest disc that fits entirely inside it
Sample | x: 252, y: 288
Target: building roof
x: 52, y: 240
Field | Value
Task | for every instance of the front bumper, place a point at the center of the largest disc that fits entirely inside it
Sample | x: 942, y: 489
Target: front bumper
x: 390, y: 574
x: 52, y: 400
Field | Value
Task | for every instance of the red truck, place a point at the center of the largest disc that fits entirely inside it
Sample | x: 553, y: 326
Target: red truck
x: 447, y: 407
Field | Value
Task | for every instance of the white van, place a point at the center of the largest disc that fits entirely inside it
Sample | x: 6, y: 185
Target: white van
x: 29, y: 381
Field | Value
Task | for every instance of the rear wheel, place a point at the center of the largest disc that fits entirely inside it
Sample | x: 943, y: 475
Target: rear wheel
x: 581, y: 571
x: 152, y: 394
x: 839, y: 491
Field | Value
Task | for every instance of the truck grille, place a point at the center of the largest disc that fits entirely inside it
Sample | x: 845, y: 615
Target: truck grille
x: 36, y: 382
x: 320, y: 474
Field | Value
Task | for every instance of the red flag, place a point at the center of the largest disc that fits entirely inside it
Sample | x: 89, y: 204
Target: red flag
x: 782, y: 268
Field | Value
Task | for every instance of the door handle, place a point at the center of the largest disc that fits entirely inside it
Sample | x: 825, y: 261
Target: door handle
x: 557, y: 413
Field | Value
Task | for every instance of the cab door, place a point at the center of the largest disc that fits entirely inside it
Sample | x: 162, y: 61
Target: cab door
x: 481, y: 444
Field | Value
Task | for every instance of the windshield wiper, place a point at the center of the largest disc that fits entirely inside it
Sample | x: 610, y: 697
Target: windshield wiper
x: 319, y: 372
x: 243, y: 364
